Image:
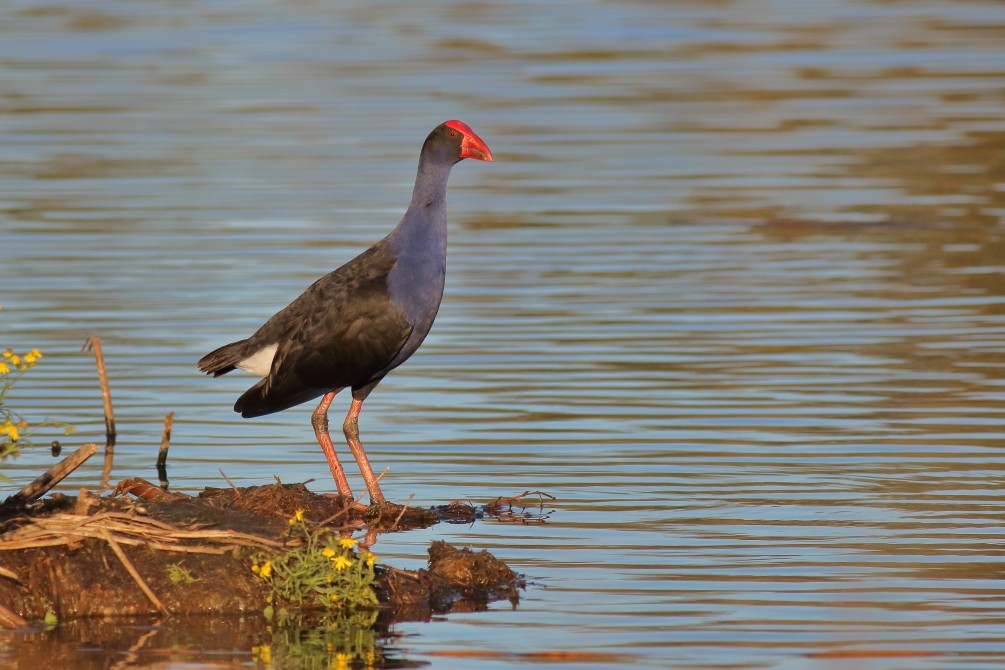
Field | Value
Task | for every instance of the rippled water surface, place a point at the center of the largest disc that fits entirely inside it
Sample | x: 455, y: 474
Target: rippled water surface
x: 733, y: 292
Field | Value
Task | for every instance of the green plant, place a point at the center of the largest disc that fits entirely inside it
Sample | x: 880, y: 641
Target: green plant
x: 324, y: 571
x: 179, y: 574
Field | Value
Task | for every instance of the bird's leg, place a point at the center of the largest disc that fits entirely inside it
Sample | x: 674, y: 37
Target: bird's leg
x: 351, y: 430
x: 319, y: 419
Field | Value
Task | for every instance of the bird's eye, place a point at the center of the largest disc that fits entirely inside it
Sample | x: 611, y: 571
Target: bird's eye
x: 453, y: 133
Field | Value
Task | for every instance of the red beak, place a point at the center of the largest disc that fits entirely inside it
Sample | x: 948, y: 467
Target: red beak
x: 472, y: 146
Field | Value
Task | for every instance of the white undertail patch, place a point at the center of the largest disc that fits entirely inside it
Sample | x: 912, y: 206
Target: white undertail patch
x: 260, y: 362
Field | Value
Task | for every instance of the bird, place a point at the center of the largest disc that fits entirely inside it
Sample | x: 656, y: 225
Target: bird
x: 357, y: 323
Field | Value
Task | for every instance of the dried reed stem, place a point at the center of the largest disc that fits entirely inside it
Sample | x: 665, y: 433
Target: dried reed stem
x: 237, y: 491
x: 69, y: 529
x: 402, y: 512
x: 94, y: 344
x: 12, y: 620
x: 128, y: 565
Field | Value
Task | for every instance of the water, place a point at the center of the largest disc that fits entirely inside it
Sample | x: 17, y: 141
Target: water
x: 733, y: 292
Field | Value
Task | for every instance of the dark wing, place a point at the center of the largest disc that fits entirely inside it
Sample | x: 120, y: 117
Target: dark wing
x: 344, y: 330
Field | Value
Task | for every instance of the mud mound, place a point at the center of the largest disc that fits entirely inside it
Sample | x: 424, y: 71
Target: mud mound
x: 174, y: 554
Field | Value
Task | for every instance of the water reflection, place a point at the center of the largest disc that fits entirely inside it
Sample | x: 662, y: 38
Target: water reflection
x: 204, y: 642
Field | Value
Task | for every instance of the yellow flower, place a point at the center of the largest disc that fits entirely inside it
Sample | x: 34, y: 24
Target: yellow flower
x: 327, y: 552
x: 341, y: 562
x: 36, y: 353
x: 347, y: 542
x: 4, y: 369
x: 16, y: 360
x: 7, y: 353
x: 262, y: 654
x: 254, y: 568
x: 11, y: 430
x: 371, y: 559
x: 29, y: 358
x: 297, y: 517
x: 342, y: 661
x: 266, y: 570
x: 334, y: 597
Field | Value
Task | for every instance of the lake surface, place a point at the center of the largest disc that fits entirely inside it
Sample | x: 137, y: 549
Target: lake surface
x: 733, y: 292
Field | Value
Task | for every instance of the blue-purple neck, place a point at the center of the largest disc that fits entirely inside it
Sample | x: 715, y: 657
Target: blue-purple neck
x: 424, y: 226
x: 430, y: 183
x: 419, y: 246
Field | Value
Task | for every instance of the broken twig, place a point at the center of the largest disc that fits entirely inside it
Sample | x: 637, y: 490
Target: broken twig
x: 143, y: 489
x: 54, y: 475
x: 162, y: 455
x: 509, y: 500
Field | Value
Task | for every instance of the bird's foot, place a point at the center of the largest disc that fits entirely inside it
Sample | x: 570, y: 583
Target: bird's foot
x: 355, y: 504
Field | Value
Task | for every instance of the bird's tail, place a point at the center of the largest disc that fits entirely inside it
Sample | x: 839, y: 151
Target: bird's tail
x: 222, y: 360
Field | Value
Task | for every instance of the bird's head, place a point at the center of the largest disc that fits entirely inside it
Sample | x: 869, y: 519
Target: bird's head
x: 457, y: 141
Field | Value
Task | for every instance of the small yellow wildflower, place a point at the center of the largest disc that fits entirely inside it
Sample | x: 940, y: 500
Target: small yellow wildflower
x: 36, y: 353
x: 342, y: 661
x: 29, y: 358
x: 341, y: 562
x: 371, y: 559
x: 16, y: 360
x: 262, y: 654
x: 254, y: 568
x: 266, y: 570
x: 7, y: 353
x: 10, y: 429
x: 4, y: 370
x: 347, y: 542
x: 297, y: 517
x: 334, y: 597
x: 328, y: 552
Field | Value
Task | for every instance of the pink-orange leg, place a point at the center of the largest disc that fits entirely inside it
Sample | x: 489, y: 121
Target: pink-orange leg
x: 319, y: 419
x: 351, y: 430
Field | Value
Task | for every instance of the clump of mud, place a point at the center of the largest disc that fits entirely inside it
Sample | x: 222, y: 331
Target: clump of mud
x: 170, y: 553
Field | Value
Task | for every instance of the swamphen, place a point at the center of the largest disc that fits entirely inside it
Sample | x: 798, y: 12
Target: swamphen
x: 356, y: 324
